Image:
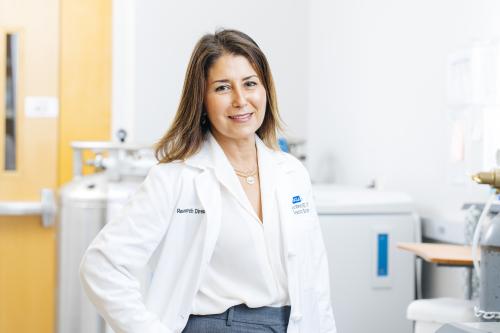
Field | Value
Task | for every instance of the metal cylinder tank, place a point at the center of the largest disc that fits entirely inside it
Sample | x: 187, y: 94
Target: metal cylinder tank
x: 82, y: 205
x: 490, y: 272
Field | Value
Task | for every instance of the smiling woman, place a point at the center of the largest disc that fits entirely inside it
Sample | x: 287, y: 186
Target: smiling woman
x: 222, y: 64
x: 235, y: 100
x: 216, y: 220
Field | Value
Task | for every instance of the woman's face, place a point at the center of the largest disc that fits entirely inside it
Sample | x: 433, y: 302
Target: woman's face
x: 235, y: 98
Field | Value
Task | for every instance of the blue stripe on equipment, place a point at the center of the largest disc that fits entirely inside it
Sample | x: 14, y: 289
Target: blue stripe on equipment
x: 382, y: 255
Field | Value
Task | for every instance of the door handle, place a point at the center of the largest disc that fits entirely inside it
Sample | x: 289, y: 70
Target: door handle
x: 46, y: 207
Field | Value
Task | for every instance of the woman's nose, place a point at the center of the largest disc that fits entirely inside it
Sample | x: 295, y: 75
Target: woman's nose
x: 239, y: 99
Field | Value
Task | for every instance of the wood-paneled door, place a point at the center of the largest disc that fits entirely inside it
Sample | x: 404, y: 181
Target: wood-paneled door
x: 55, y: 87
x: 29, y: 88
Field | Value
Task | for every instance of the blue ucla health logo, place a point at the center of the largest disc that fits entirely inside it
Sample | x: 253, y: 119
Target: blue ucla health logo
x: 299, y: 206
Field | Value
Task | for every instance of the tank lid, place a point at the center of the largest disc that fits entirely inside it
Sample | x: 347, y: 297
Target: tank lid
x: 88, y: 188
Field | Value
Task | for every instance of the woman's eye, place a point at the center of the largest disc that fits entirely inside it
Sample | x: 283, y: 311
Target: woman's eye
x: 221, y: 88
x: 250, y: 83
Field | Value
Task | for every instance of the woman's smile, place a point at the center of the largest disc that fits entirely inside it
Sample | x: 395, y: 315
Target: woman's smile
x: 242, y: 117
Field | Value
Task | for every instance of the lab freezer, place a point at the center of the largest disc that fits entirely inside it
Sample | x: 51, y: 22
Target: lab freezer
x: 372, y: 282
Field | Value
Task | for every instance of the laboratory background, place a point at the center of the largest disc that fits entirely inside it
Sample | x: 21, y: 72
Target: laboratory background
x: 393, y: 106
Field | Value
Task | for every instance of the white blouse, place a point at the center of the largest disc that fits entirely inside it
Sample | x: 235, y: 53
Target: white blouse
x: 247, y: 266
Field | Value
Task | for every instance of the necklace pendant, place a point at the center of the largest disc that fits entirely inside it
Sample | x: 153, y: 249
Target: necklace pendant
x: 250, y: 180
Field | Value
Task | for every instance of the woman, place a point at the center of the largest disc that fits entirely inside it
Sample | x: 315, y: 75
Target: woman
x: 223, y: 228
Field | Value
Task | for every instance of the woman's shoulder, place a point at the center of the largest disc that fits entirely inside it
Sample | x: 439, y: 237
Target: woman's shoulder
x: 167, y: 178
x: 169, y: 171
x: 289, y: 160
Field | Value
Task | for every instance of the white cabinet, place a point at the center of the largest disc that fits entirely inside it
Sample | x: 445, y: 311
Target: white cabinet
x: 372, y: 282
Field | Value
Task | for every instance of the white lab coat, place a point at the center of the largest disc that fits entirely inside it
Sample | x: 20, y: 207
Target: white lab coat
x: 144, y: 268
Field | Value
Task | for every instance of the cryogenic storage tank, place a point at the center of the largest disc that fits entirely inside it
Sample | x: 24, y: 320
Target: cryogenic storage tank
x: 86, y: 204
x: 82, y: 214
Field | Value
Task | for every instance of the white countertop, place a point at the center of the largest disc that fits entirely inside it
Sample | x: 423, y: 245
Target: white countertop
x: 338, y: 199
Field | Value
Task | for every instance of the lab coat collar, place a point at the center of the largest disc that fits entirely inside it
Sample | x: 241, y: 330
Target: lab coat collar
x: 225, y: 173
x: 211, y: 156
x: 205, y: 157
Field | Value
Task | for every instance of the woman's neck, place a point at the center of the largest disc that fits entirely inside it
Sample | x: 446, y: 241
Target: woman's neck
x: 241, y: 153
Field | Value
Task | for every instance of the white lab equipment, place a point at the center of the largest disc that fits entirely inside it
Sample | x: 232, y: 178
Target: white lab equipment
x: 86, y: 204
x: 82, y: 215
x: 431, y: 314
x: 470, y: 328
x: 372, y: 282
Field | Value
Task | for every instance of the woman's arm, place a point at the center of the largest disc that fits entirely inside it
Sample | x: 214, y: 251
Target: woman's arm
x: 124, y: 246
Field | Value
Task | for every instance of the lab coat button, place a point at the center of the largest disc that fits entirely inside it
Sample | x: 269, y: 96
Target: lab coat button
x: 296, y: 317
x: 291, y: 254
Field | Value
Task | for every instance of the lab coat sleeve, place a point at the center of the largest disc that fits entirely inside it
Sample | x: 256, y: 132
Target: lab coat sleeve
x: 124, y: 246
x: 322, y: 283
x: 327, y: 320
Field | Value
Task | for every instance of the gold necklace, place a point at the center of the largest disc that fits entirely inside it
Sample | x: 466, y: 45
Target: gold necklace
x: 248, y: 176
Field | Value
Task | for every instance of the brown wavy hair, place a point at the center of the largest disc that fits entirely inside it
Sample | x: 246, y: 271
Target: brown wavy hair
x: 189, y: 128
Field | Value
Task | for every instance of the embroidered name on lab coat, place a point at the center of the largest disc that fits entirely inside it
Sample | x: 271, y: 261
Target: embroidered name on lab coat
x: 190, y: 211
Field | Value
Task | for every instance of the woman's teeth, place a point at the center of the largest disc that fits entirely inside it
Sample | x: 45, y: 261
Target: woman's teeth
x: 243, y: 116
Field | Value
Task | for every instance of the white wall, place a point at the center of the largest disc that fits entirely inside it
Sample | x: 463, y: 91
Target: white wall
x: 123, y: 68
x: 364, y: 81
x: 165, y: 34
x: 378, y: 108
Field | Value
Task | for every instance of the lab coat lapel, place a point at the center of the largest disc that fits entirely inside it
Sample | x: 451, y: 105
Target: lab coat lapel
x: 226, y: 175
x: 223, y: 170
x: 208, y: 191
x: 275, y: 184
x: 267, y: 174
x: 284, y: 196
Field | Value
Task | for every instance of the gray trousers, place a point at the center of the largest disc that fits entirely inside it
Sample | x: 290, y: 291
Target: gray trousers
x: 241, y: 319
